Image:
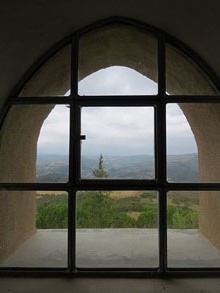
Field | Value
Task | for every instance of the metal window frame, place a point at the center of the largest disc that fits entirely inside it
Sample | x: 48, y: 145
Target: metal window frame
x: 75, y: 184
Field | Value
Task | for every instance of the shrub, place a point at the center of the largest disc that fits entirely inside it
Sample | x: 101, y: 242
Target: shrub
x: 182, y: 217
x: 95, y: 209
x: 52, y: 212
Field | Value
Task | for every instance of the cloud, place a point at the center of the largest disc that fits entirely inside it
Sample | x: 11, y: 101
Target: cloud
x: 116, y: 130
x: 117, y: 80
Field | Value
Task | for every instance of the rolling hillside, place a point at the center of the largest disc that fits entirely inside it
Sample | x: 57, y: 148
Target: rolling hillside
x: 181, y: 168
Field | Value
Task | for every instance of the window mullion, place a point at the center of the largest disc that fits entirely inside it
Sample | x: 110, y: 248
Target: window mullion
x: 161, y: 152
x: 74, y: 155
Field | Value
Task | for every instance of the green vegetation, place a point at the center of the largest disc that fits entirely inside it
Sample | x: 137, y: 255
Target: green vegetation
x: 112, y: 209
x: 100, y: 171
x: 52, y: 212
x: 182, y: 217
x: 102, y: 209
x: 98, y: 210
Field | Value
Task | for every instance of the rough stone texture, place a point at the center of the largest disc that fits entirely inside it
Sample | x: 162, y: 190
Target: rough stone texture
x: 18, y: 142
x: 17, y: 220
x: 204, y: 120
x: 123, y: 46
x: 53, y: 78
x: 183, y: 76
x: 18, y: 149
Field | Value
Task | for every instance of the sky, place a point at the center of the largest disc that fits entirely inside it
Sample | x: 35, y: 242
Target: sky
x: 116, y: 130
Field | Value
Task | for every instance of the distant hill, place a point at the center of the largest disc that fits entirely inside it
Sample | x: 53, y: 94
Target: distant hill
x: 121, y: 167
x: 52, y: 168
x: 181, y: 168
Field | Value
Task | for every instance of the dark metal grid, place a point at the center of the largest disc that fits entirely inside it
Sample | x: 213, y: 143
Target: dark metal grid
x: 129, y: 181
x: 112, y: 100
x: 161, y: 139
x: 75, y: 184
x: 116, y: 185
x: 73, y: 152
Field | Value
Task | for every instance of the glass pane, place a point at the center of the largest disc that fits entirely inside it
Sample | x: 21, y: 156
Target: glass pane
x: 117, y: 229
x: 193, y: 229
x: 193, y: 142
x: 33, y: 228
x: 118, y: 60
x: 53, y: 147
x: 184, y: 77
x: 182, y: 153
x: 119, y: 143
x: 35, y: 144
x: 53, y: 77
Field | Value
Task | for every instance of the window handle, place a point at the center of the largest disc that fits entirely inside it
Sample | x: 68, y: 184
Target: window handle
x: 82, y: 137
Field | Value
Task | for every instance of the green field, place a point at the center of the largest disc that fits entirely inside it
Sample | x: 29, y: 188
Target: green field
x: 105, y: 209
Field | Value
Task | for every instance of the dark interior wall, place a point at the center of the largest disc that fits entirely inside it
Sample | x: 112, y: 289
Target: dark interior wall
x: 29, y: 28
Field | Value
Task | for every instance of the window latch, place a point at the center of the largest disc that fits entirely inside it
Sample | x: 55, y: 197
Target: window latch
x: 82, y: 137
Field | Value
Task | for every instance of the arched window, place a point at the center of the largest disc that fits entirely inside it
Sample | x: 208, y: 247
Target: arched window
x: 109, y: 157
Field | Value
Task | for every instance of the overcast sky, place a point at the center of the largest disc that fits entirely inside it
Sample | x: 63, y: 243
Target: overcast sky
x: 117, y: 80
x: 116, y: 131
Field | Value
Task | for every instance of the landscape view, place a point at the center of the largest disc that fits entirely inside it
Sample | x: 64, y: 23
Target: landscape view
x: 117, y: 209
x: 119, y: 144
x: 180, y: 168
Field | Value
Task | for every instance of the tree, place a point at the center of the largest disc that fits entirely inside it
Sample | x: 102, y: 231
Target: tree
x: 100, y: 171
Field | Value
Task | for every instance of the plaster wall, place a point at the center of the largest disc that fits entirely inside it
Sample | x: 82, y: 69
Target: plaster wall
x: 18, y: 151
x: 18, y: 141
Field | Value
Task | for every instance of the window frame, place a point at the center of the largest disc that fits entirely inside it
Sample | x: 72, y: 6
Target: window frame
x: 75, y: 183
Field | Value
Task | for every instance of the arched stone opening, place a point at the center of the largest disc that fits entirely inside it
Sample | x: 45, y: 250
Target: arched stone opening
x: 122, y: 46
